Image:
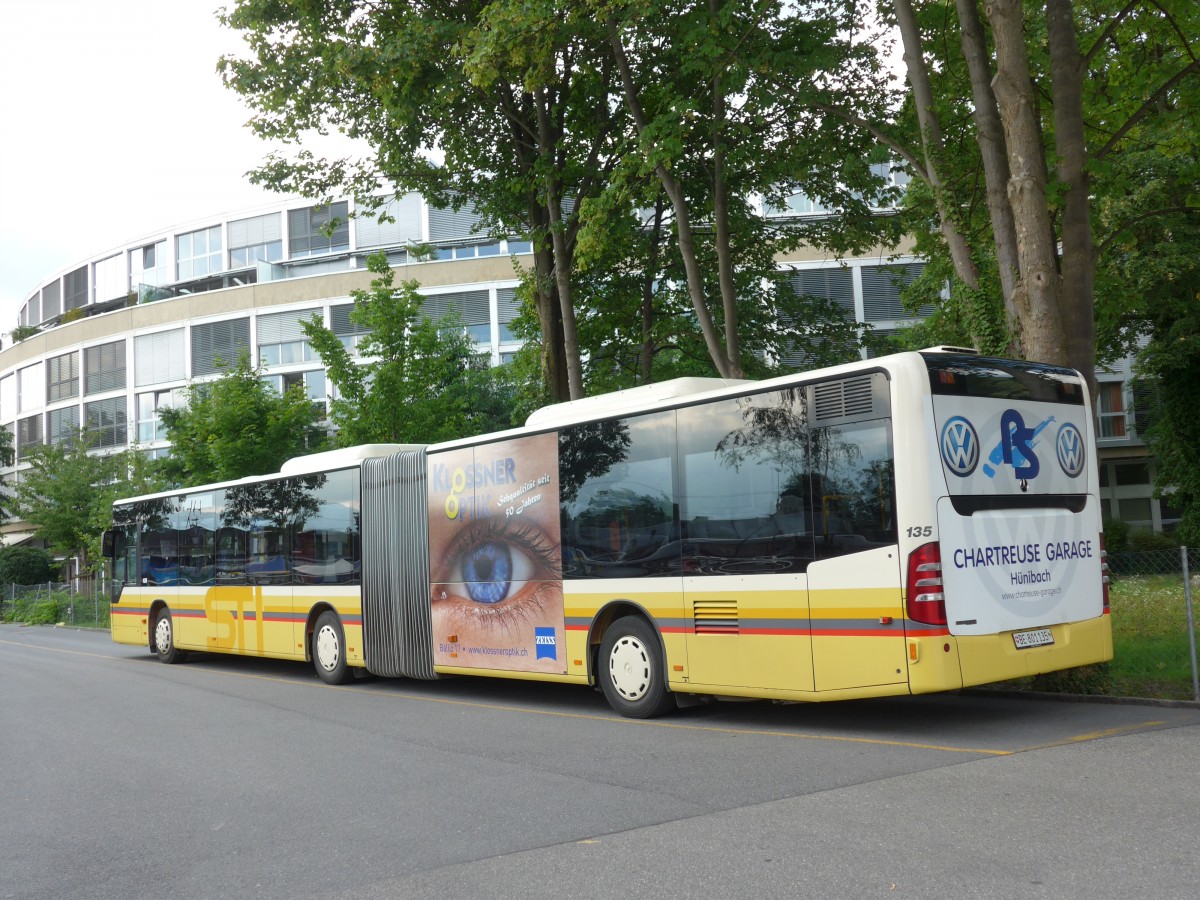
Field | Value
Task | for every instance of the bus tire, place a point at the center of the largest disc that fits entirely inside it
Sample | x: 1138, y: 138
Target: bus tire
x: 329, y: 649
x: 164, y: 638
x: 632, y: 674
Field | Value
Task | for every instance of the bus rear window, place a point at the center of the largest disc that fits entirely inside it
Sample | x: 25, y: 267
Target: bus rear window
x: 975, y: 376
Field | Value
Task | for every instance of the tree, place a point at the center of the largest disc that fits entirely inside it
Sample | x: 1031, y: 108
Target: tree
x: 728, y: 100
x: 521, y: 128
x: 67, y: 493
x: 1036, y: 123
x: 26, y: 565
x: 422, y: 381
x: 238, y: 425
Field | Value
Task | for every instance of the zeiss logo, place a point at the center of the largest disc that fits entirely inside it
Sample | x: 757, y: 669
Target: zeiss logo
x: 545, y: 643
x: 1069, y: 445
x: 960, y: 446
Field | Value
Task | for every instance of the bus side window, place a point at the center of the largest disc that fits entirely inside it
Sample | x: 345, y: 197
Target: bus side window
x: 853, y: 487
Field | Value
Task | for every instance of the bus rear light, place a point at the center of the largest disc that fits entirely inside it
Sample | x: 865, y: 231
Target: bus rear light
x: 925, y: 599
x: 1104, y: 570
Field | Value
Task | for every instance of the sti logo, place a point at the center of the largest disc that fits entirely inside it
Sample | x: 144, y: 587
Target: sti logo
x: 545, y: 643
x: 960, y: 446
x: 1015, y: 448
x: 1069, y: 446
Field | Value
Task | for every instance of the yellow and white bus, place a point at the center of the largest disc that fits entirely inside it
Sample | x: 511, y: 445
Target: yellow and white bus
x: 908, y: 524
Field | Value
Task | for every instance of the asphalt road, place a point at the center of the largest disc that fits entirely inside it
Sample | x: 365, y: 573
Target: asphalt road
x: 223, y: 777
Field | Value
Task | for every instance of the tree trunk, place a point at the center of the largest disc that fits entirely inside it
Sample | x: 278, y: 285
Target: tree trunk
x: 721, y: 224
x: 646, y: 359
x: 1078, y: 253
x: 1037, y: 295
x: 683, y: 224
x: 547, y: 307
x: 547, y: 140
x: 990, y: 136
x: 931, y: 143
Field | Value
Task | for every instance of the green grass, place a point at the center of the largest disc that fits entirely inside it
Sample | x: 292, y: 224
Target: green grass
x: 1151, y: 655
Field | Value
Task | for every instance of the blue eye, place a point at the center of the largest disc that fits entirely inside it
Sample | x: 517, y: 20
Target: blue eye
x: 488, y: 572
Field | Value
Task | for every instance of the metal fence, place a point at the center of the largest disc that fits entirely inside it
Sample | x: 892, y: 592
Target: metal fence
x: 80, y: 604
x: 1151, y: 595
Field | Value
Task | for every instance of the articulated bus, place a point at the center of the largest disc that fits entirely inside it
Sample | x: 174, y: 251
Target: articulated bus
x: 913, y: 523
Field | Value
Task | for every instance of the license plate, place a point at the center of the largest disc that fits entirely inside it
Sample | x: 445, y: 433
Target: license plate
x: 1039, y: 637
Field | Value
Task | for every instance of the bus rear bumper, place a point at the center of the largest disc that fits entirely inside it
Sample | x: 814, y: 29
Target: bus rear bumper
x: 986, y: 659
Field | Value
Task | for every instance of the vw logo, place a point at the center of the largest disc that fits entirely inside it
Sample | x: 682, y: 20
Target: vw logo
x: 960, y: 446
x: 1069, y: 446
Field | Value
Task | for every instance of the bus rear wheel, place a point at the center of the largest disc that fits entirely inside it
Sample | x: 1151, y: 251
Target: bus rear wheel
x: 632, y: 673
x: 164, y: 638
x: 329, y: 650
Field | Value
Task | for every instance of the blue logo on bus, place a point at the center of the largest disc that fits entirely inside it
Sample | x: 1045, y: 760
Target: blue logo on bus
x: 545, y: 643
x: 1071, y: 455
x: 1015, y: 448
x: 960, y: 446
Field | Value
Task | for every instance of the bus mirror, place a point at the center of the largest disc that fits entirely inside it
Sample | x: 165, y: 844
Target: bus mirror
x: 108, y: 544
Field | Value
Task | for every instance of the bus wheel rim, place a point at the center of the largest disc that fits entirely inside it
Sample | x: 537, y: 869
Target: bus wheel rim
x: 328, y: 651
x: 629, y: 668
x: 162, y: 633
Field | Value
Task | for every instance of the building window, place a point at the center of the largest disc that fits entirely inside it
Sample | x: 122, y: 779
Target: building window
x: 51, y: 303
x: 105, y: 422
x: 148, y: 265
x: 159, y: 358
x: 312, y: 383
x: 109, y: 276
x: 104, y: 368
x: 507, y: 308
x: 881, y: 288
x: 255, y: 239
x: 348, y: 331
x: 149, y: 420
x: 75, y: 289
x: 281, y: 339
x: 31, y: 388
x: 62, y: 377
x: 62, y: 425
x: 199, y: 253
x: 1111, y: 400
x: 8, y: 398
x: 471, y: 306
x: 318, y: 229
x: 217, y: 346
x: 29, y: 435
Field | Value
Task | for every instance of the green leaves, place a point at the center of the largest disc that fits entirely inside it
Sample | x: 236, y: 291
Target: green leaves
x: 236, y: 426
x: 421, y: 382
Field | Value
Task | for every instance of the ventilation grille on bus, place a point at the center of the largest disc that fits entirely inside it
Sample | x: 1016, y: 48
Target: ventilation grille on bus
x: 397, y: 624
x: 843, y: 399
x: 715, y: 616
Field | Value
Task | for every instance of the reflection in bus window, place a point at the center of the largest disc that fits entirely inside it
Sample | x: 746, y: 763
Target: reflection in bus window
x: 325, y: 548
x: 853, y: 487
x: 746, y: 499
x: 618, y: 498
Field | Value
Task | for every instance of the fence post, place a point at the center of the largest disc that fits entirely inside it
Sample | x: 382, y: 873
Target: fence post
x: 1187, y: 596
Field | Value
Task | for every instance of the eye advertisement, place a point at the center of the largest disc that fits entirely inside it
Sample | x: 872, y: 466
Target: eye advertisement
x: 495, y: 557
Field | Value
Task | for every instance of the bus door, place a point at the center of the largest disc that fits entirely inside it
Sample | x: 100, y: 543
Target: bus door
x: 854, y: 584
x: 747, y: 538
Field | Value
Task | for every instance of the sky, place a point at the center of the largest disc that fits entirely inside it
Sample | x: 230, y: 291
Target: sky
x: 115, y: 125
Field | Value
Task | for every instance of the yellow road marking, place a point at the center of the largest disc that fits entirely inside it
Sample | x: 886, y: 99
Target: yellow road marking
x: 1097, y: 735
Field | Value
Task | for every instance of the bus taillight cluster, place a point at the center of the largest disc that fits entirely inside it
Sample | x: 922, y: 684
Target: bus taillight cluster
x: 926, y: 601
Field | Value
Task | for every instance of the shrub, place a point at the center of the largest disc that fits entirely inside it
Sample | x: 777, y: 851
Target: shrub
x: 26, y: 565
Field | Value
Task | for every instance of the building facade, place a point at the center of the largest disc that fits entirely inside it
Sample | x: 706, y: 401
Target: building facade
x: 110, y: 341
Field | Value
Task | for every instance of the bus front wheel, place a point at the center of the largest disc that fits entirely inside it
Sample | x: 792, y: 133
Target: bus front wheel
x: 632, y: 674
x: 329, y: 650
x: 164, y: 638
